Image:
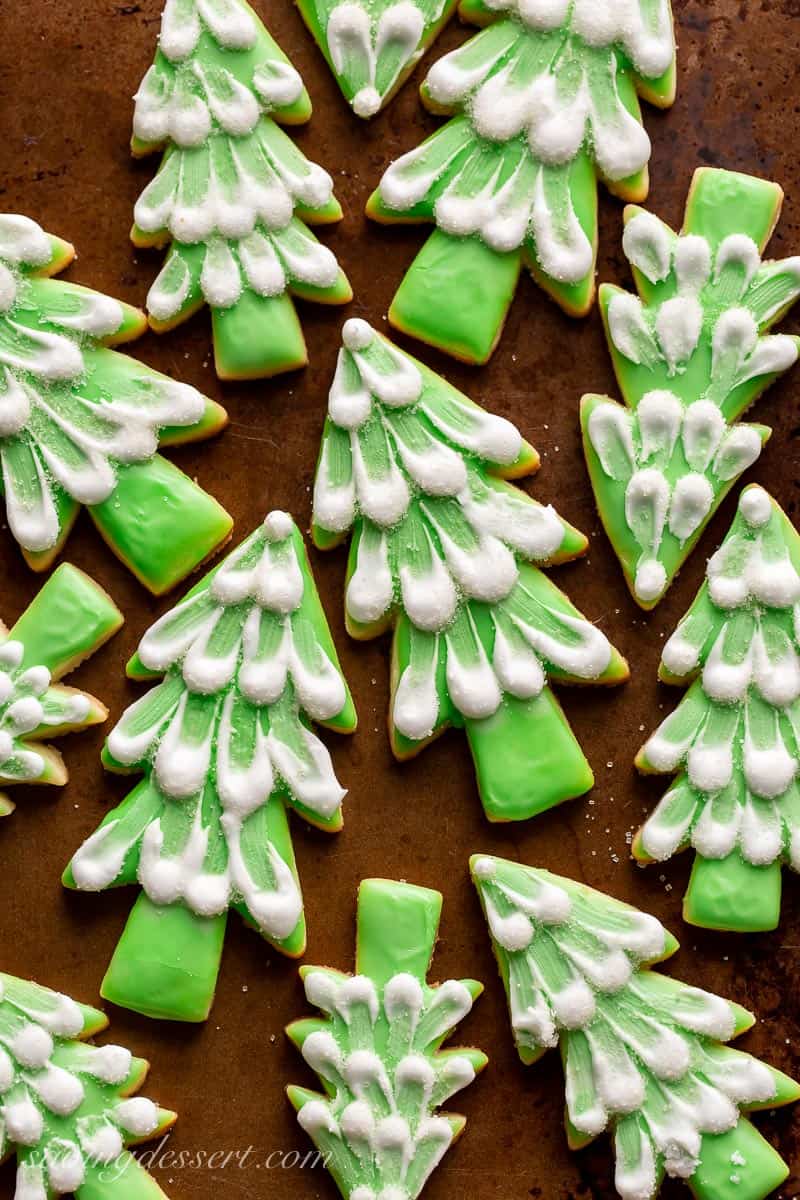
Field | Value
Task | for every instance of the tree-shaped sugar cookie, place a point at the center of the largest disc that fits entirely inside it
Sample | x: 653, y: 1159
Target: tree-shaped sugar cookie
x: 691, y: 354
x: 644, y: 1055
x: 735, y: 736
x: 68, y: 619
x: 544, y: 102
x: 225, y: 744
x: 80, y: 423
x: 377, y: 1050
x: 67, y: 1108
x: 233, y: 194
x: 372, y: 46
x: 443, y: 551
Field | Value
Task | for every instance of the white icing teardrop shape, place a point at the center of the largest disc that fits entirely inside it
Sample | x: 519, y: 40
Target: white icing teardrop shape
x: 678, y: 326
x: 647, y: 243
x: 660, y: 415
x: 692, y: 264
x: 691, y: 503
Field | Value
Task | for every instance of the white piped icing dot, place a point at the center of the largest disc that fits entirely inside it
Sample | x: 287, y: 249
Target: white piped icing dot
x: 278, y: 526
x: 484, y: 868
x: 357, y: 334
x: 25, y: 714
x: 755, y: 507
x: 67, y: 1020
x: 137, y: 1115
x: 651, y: 579
x: 316, y: 1116
x: 32, y: 1046
x: 11, y: 653
x: 513, y: 932
x: 366, y: 102
x: 24, y: 1122
x: 111, y: 1064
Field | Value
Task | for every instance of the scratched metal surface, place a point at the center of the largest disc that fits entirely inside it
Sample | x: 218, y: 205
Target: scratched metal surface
x: 68, y: 69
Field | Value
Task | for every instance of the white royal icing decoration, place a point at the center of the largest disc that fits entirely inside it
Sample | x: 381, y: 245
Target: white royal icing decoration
x: 405, y: 456
x: 44, y: 1071
x: 233, y: 180
x: 243, y: 662
x: 55, y: 432
x: 379, y: 1059
x: 676, y: 454
x: 640, y: 1049
x: 738, y: 742
x: 510, y: 88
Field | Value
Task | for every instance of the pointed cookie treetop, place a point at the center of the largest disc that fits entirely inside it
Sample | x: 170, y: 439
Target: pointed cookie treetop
x: 546, y: 102
x: 643, y: 1054
x: 80, y: 423
x: 691, y: 354
x: 232, y: 193
x: 224, y: 741
x: 68, y: 1109
x: 378, y: 1050
x: 372, y: 46
x: 443, y: 550
x: 735, y: 736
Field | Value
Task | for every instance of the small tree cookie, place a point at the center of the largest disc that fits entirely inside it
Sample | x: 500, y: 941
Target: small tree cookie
x: 643, y: 1054
x: 66, y: 622
x: 443, y: 552
x: 691, y: 355
x: 378, y: 1051
x: 232, y: 194
x: 372, y: 46
x: 80, y: 423
x: 67, y: 1109
x: 225, y: 744
x: 543, y: 102
x: 734, y: 735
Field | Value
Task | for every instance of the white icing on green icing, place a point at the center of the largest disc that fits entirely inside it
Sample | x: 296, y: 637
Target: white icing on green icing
x: 69, y: 413
x: 377, y: 1051
x: 64, y: 1105
x: 412, y: 464
x: 543, y: 88
x: 691, y: 355
x: 248, y: 663
x: 230, y: 180
x: 734, y: 736
x: 373, y: 44
x: 641, y: 1052
x: 29, y: 706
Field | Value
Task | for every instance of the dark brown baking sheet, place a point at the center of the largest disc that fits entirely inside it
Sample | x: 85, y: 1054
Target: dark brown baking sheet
x: 68, y: 69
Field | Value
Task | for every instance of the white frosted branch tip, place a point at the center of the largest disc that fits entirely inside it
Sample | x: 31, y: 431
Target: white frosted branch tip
x: 316, y: 1116
x: 357, y: 334
x: 138, y: 1115
x: 651, y: 579
x: 484, y: 869
x: 755, y: 507
x: 32, y: 1046
x: 366, y: 102
x: 278, y: 526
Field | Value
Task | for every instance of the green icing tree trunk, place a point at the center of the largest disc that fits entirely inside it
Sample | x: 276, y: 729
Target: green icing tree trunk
x: 258, y: 336
x: 456, y: 295
x: 527, y: 758
x: 160, y: 523
x: 730, y: 893
x: 166, y: 962
x: 396, y: 932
